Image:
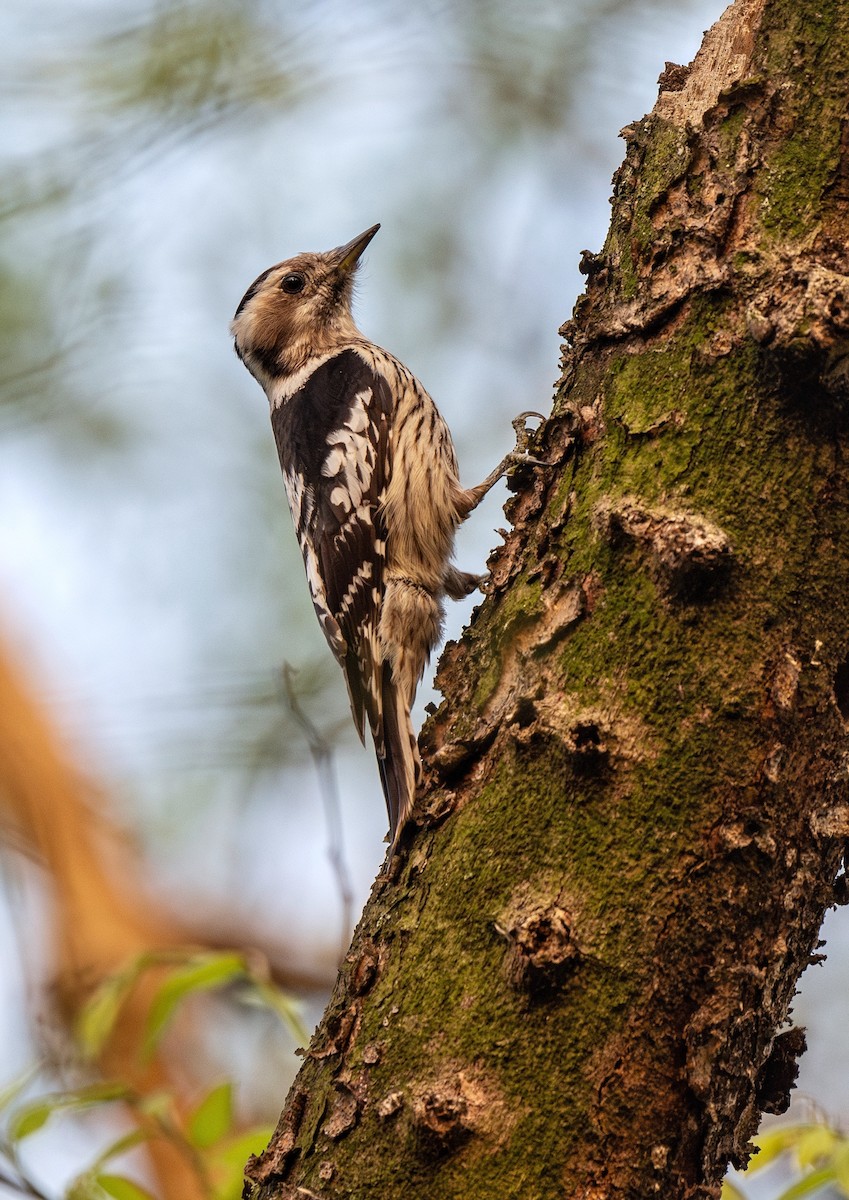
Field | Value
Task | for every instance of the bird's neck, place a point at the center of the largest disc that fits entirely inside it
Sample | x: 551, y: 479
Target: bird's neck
x: 294, y: 369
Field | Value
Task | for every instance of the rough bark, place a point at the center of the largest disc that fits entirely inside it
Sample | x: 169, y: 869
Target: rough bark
x: 576, y: 981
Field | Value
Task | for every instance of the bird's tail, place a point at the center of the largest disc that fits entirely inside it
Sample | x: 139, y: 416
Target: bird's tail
x: 400, y: 764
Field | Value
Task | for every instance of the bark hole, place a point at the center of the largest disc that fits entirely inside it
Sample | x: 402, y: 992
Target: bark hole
x: 841, y: 688
x: 779, y: 1073
x: 835, y: 375
x: 811, y: 384
x: 586, y: 736
x: 588, y: 747
x: 440, y: 1123
x: 525, y: 713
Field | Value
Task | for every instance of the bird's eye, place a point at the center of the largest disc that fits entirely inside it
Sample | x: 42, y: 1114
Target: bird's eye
x: 292, y: 284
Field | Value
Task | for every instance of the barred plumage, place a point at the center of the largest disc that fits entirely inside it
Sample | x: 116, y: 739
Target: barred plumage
x: 372, y: 482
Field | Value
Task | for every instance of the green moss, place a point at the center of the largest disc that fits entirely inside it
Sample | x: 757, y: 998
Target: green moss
x: 730, y: 131
x: 658, y: 152
x: 664, y: 164
x: 645, y: 390
x: 455, y: 964
x: 802, y: 164
x: 516, y: 611
x: 799, y: 173
x: 664, y: 161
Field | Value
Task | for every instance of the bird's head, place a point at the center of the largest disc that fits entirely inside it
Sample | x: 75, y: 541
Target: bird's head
x: 298, y: 310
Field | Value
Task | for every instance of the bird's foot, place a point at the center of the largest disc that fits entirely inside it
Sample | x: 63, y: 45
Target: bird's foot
x: 520, y: 456
x: 459, y: 584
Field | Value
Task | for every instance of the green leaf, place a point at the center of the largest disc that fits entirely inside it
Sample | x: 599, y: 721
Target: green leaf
x: 124, y: 1143
x: 775, y: 1142
x: 98, y: 1016
x: 809, y: 1183
x: 213, y: 1117
x: 201, y: 973
x: 815, y: 1145
x: 730, y: 1191
x: 31, y: 1117
x: 226, y: 1163
x: 121, y: 1188
x: 83, y: 1188
x: 12, y: 1090
x: 158, y: 1105
x: 840, y: 1164
x: 286, y: 1008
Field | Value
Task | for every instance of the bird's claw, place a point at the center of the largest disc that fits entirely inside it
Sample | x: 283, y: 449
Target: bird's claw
x: 523, y: 434
x: 520, y: 457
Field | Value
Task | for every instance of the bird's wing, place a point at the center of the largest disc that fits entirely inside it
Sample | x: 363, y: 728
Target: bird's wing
x: 333, y: 441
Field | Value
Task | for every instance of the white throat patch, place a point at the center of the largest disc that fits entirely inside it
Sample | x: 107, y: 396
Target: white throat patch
x: 284, y: 389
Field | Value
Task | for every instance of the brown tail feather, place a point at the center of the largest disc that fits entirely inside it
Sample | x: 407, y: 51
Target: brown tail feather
x: 400, y: 767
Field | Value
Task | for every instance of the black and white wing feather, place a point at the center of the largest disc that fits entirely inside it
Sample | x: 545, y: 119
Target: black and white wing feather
x: 333, y: 440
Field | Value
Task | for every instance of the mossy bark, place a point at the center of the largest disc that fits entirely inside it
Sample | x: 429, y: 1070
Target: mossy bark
x: 575, y: 980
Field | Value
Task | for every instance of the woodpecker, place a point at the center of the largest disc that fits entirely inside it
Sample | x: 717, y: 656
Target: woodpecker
x: 372, y: 482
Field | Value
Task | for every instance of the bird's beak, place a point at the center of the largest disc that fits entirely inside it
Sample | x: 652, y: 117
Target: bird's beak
x: 348, y: 255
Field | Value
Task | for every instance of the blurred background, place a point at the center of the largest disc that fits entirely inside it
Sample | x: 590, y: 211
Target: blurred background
x: 164, y: 687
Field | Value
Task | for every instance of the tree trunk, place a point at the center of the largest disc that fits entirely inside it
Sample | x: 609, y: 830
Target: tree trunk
x: 575, y: 980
